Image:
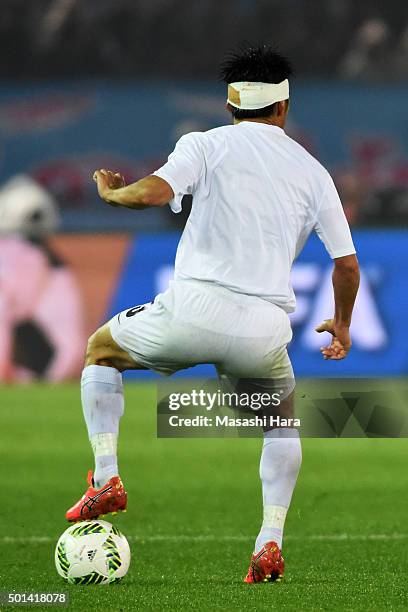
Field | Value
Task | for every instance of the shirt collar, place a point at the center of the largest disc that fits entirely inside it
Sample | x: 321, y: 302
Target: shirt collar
x: 257, y: 124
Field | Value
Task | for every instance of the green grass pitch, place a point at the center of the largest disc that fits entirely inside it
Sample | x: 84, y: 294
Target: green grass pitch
x: 195, y: 507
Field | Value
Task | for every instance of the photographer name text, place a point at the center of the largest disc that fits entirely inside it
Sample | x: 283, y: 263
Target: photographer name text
x: 227, y: 421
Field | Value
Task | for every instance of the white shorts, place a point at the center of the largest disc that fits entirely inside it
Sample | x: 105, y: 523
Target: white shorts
x: 196, y: 322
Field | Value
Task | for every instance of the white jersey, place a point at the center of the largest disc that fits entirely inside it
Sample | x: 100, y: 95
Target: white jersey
x: 257, y: 195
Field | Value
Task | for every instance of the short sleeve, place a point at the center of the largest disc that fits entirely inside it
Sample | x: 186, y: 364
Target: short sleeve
x: 184, y: 168
x: 331, y: 224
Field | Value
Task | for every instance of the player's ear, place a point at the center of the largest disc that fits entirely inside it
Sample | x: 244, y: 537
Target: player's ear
x: 282, y: 108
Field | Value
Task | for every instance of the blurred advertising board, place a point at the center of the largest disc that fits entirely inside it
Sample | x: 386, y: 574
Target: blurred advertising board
x: 53, y: 294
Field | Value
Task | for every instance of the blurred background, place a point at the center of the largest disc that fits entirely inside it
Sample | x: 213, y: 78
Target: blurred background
x: 114, y: 84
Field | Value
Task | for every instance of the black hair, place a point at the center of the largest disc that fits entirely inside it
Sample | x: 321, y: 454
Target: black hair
x: 260, y: 63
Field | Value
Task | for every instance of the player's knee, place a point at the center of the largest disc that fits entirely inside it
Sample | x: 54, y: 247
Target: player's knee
x: 97, y: 352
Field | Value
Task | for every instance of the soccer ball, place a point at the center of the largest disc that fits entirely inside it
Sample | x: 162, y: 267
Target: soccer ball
x: 92, y: 552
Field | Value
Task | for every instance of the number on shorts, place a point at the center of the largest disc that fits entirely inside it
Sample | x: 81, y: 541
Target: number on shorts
x: 135, y: 310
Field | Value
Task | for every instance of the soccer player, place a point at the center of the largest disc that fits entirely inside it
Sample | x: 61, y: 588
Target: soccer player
x: 257, y: 195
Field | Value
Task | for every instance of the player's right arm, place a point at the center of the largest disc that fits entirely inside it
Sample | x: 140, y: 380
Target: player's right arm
x: 149, y: 191
x: 333, y: 229
x: 176, y: 178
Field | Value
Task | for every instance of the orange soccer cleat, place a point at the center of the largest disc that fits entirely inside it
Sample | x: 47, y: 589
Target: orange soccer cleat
x: 267, y: 565
x: 109, y: 499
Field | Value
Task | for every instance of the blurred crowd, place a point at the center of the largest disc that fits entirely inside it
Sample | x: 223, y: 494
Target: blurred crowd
x: 365, y: 40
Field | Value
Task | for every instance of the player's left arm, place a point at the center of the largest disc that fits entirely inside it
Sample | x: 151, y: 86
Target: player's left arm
x: 332, y: 228
x: 149, y: 191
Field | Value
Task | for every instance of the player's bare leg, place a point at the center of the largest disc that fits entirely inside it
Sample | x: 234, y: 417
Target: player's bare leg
x: 103, y: 406
x: 280, y: 463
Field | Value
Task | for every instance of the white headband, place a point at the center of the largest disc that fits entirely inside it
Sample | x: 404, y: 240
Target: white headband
x: 252, y: 95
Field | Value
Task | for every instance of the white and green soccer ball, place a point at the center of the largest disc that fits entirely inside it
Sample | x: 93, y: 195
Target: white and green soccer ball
x: 92, y: 552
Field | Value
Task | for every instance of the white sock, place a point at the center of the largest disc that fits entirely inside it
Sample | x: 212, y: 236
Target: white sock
x: 103, y: 406
x: 104, y: 446
x: 280, y: 464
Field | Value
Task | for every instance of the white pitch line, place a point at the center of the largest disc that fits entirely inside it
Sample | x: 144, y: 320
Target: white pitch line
x: 335, y: 537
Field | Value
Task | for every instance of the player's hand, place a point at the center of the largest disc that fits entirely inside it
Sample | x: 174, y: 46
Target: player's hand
x: 107, y: 181
x: 341, y: 342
